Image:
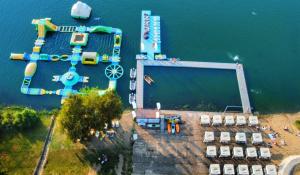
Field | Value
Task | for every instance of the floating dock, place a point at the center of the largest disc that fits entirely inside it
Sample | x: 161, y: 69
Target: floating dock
x: 150, y: 34
x: 151, y: 56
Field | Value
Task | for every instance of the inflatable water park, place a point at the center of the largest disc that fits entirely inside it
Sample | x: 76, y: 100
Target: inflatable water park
x: 79, y: 39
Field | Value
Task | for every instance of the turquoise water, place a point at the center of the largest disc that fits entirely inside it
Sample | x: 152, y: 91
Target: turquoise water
x: 265, y: 35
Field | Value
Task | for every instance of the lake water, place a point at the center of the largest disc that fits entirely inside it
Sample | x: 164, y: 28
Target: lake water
x: 264, y: 34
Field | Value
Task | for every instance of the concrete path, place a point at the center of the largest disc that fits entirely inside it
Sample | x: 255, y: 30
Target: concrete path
x: 287, y: 166
x: 120, y: 165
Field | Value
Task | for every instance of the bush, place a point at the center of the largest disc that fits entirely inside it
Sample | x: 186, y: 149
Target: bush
x: 297, y: 124
x: 18, y: 119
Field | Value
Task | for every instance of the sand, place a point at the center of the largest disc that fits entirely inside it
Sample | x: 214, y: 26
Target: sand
x: 278, y: 122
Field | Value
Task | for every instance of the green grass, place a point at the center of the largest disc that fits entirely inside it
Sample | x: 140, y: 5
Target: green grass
x: 20, y: 151
x: 65, y: 157
x: 297, y: 124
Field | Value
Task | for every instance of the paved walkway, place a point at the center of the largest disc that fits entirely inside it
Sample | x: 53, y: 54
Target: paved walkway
x: 288, y: 164
x: 40, y: 166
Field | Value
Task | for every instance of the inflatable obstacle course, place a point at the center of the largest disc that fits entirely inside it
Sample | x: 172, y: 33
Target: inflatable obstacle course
x: 78, y: 40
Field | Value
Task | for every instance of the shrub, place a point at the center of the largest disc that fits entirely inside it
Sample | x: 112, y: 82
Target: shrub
x: 18, y: 118
x: 297, y: 124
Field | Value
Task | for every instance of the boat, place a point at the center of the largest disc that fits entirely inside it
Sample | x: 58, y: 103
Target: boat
x: 148, y: 79
x: 132, y: 73
x: 131, y: 98
x: 169, y: 128
x: 177, y: 128
x: 132, y: 85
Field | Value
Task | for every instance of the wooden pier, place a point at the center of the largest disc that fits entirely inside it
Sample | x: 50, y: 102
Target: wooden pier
x: 193, y: 64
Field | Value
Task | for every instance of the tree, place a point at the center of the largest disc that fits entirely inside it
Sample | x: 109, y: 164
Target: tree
x: 82, y: 112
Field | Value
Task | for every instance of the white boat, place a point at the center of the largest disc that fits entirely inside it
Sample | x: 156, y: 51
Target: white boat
x: 131, y: 98
x: 132, y: 85
x: 132, y: 73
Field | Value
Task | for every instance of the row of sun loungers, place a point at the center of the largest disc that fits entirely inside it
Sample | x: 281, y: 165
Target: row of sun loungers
x: 240, y: 137
x: 238, y: 152
x: 242, y: 169
x: 229, y: 120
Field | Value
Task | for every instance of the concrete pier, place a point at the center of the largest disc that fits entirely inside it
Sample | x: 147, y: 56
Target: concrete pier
x: 193, y: 64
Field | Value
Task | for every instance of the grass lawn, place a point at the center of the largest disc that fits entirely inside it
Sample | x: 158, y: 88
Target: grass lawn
x: 20, y: 151
x: 65, y: 157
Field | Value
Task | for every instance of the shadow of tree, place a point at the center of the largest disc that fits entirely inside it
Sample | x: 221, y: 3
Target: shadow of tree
x: 110, y: 147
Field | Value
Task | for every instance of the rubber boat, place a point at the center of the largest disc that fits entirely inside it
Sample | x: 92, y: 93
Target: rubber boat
x: 132, y: 85
x: 132, y: 73
x: 131, y: 98
x: 148, y: 79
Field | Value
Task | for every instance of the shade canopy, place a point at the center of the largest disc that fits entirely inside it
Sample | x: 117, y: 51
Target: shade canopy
x: 225, y: 137
x: 242, y: 169
x: 214, y: 169
x: 229, y: 120
x: 270, y: 170
x: 265, y: 153
x: 253, y: 120
x: 251, y: 152
x: 240, y: 120
x: 238, y: 152
x: 224, y: 151
x: 217, y: 120
x: 209, y: 137
x: 205, y: 120
x: 228, y: 169
x: 240, y: 137
x: 257, y: 138
x: 211, y: 151
x: 257, y: 170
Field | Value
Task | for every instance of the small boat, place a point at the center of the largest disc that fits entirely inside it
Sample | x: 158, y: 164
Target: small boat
x: 131, y: 98
x: 132, y: 73
x: 148, y: 79
x: 169, y: 128
x: 132, y: 85
x: 177, y: 128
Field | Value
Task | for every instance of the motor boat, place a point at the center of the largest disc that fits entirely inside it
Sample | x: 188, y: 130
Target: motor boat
x: 132, y: 85
x: 131, y: 98
x: 132, y: 73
